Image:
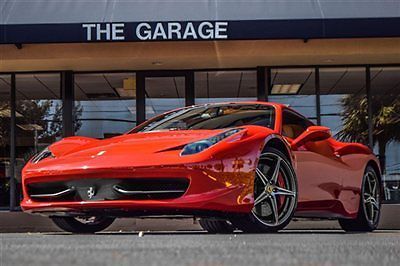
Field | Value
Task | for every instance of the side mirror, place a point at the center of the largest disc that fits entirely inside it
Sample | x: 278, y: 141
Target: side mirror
x: 313, y: 133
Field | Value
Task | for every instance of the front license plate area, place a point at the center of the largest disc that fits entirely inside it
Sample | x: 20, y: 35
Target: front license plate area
x: 93, y: 192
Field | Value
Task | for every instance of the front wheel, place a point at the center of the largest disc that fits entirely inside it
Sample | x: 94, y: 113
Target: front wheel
x: 370, y: 205
x: 275, y: 195
x: 86, y: 225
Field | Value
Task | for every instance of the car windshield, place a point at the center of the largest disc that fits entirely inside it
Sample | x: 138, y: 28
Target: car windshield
x: 212, y: 117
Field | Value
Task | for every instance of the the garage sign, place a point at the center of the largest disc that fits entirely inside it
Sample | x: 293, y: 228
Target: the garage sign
x: 144, y: 31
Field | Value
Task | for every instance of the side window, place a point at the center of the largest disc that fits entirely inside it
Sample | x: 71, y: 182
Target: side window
x: 293, y: 124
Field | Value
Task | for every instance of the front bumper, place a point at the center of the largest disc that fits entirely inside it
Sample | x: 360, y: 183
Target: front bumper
x: 215, y: 186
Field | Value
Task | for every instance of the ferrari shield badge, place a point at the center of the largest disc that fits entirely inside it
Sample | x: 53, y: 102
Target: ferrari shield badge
x: 91, y: 192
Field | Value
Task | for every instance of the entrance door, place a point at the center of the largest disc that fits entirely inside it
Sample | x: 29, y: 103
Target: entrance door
x: 159, y: 92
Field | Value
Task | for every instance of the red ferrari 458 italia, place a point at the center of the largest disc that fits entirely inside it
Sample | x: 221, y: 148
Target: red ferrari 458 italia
x: 250, y: 166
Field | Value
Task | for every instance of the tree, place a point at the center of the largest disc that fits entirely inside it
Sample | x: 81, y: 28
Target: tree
x: 385, y: 120
x: 44, y: 113
x: 55, y: 127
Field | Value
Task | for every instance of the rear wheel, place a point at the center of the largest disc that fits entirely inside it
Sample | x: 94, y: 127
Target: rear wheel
x: 216, y: 226
x: 370, y: 205
x: 275, y: 195
x: 85, y: 224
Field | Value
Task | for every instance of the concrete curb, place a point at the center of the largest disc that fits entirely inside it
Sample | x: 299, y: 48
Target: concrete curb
x: 19, y: 222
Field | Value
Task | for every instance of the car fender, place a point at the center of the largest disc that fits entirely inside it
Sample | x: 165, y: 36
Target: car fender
x: 271, y: 141
x: 68, y: 145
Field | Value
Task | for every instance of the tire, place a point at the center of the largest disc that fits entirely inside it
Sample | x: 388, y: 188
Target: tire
x: 370, y: 203
x: 275, y: 195
x: 79, y: 225
x: 216, y: 226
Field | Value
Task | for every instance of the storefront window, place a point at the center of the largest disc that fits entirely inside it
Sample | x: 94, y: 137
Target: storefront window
x: 164, y: 94
x: 225, y: 86
x: 105, y: 104
x: 5, y: 114
x: 295, y: 87
x: 344, y: 103
x: 385, y: 88
x: 38, y: 116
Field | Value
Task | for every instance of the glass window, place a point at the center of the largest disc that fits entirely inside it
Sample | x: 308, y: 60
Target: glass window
x: 225, y: 86
x: 105, y: 104
x: 164, y: 94
x: 5, y: 114
x: 213, y: 117
x: 38, y: 115
x: 293, y: 125
x: 295, y: 87
x: 385, y: 90
x: 343, y: 96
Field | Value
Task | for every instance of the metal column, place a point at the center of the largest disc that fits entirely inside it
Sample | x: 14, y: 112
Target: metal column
x: 369, y: 104
x: 140, y: 98
x: 317, y: 96
x: 263, y: 83
x: 13, y: 183
x: 189, y: 89
x: 67, y: 96
x: 268, y: 82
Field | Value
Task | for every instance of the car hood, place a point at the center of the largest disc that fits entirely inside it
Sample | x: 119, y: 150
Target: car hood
x: 138, y: 143
x: 129, y: 150
x: 146, y: 149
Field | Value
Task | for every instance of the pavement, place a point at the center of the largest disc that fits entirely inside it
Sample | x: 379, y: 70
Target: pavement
x: 290, y: 247
x: 19, y: 222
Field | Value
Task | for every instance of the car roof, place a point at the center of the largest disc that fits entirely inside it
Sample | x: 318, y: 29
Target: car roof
x: 273, y: 104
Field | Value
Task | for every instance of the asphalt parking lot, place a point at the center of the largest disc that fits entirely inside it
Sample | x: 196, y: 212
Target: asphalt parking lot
x: 198, y: 248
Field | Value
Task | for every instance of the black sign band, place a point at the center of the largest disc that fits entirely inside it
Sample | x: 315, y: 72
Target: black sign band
x: 200, y: 30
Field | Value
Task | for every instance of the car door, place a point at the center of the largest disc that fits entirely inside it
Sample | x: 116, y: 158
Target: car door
x: 316, y: 166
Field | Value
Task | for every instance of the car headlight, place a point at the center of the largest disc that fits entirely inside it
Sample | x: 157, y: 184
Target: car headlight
x: 201, y: 145
x: 42, y: 155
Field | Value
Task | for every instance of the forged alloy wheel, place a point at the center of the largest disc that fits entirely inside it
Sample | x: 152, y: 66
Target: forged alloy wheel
x: 369, y: 210
x: 275, y: 191
x: 83, y: 224
x: 275, y: 194
x: 371, y: 197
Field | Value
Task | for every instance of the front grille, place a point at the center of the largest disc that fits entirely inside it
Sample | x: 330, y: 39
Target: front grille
x: 108, y: 189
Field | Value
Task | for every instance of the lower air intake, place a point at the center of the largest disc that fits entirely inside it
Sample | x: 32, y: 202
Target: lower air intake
x: 108, y: 189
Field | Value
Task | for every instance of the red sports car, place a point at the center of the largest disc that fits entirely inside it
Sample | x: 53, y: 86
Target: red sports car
x: 250, y: 166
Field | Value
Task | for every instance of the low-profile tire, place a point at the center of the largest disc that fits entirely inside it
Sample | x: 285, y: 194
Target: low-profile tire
x: 369, y: 210
x: 83, y: 225
x: 216, y: 226
x: 275, y: 195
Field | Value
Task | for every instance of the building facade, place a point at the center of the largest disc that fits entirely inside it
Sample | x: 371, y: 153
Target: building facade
x: 99, y: 68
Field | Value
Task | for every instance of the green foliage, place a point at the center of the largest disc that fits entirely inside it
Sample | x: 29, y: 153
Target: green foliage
x: 354, y: 118
x: 55, y: 128
x: 385, y: 120
x: 44, y: 113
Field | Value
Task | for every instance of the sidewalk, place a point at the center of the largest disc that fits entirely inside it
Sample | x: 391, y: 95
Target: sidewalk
x: 12, y: 222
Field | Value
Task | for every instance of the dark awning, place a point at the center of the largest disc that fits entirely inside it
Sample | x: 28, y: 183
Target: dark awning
x: 46, y: 21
